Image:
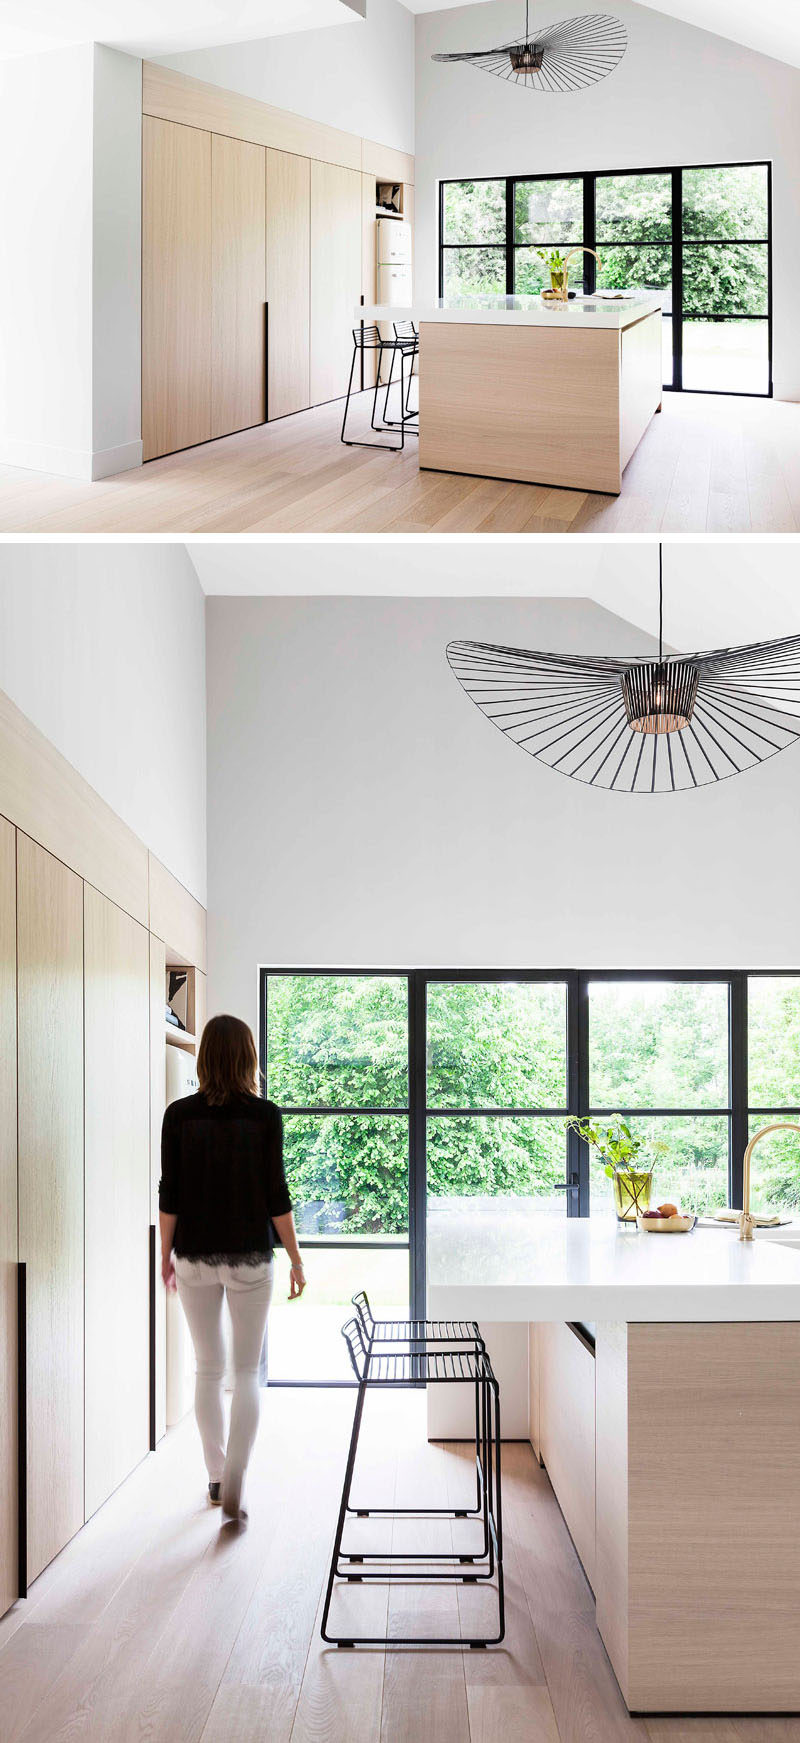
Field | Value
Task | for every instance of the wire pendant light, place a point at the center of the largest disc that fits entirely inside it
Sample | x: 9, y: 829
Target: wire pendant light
x: 562, y: 57
x: 639, y: 725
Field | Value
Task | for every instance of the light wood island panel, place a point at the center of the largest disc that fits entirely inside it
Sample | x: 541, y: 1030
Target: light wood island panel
x: 553, y: 406
x: 698, y: 1506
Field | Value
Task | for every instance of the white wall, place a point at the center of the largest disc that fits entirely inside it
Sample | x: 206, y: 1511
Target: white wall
x: 46, y: 260
x: 363, y: 813
x: 680, y: 96
x: 70, y: 124
x: 103, y: 648
x: 117, y: 263
x: 359, y: 77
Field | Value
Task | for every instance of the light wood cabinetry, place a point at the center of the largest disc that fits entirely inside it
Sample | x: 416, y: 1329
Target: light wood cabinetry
x: 238, y: 317
x: 51, y: 1197
x: 288, y: 282
x: 176, y: 916
x: 117, y: 1184
x: 9, y: 1587
x: 335, y: 276
x: 176, y: 286
x: 214, y: 251
x: 567, y: 1431
x: 158, y: 966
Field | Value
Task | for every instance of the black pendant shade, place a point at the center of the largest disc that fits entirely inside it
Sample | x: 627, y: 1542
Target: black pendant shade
x: 639, y: 725
x: 660, y: 695
x: 561, y: 57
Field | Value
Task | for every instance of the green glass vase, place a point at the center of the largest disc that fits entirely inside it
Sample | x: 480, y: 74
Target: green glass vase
x: 632, y: 1189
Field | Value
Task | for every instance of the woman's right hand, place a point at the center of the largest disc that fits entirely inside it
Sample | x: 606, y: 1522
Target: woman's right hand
x: 297, y: 1282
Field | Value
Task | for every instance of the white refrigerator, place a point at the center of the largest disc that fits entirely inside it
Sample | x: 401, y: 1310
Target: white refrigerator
x: 394, y: 262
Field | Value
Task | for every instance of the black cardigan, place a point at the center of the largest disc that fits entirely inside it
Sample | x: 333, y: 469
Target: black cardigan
x: 222, y: 1176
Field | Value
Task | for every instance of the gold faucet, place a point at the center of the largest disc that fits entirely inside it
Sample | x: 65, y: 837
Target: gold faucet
x: 567, y: 257
x: 746, y: 1223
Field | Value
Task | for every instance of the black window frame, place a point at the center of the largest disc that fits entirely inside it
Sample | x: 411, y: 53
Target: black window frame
x: 678, y: 245
x: 577, y: 1183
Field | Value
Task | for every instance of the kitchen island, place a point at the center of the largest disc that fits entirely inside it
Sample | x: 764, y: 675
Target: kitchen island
x: 551, y: 394
x: 662, y: 1394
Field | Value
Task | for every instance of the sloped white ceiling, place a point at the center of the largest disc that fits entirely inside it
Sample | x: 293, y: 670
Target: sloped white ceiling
x: 715, y: 595
x: 150, y: 27
x: 771, y: 26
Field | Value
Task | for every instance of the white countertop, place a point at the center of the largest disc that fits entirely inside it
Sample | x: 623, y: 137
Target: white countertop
x: 515, y: 1261
x: 583, y: 313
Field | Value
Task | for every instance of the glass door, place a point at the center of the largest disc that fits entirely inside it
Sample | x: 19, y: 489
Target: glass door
x: 495, y: 1099
x: 633, y: 230
x: 337, y: 1065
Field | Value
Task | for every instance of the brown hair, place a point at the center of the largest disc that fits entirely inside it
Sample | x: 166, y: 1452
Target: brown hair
x: 227, y: 1062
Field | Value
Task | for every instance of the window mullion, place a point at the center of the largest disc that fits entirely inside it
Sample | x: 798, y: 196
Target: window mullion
x: 590, y: 232
x: 677, y: 279
x: 511, y: 259
x: 738, y: 1087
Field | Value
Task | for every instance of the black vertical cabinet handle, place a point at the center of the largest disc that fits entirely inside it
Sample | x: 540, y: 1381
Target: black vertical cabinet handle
x: 152, y: 1362
x: 22, y: 1431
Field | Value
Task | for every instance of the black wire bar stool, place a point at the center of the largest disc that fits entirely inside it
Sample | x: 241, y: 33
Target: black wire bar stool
x: 418, y: 1334
x: 370, y: 338
x: 406, y: 1369
x: 408, y: 334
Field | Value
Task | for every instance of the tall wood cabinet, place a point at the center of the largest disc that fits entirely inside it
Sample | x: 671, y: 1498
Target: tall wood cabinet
x: 244, y: 205
x: 8, y: 1217
x: 335, y: 276
x: 176, y: 286
x: 51, y: 1198
x: 238, y: 250
x: 117, y: 1182
x: 288, y: 281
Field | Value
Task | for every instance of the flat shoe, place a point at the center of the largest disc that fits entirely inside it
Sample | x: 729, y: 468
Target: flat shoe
x: 215, y: 1494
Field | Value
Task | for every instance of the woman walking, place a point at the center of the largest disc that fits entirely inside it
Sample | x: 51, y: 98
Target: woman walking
x: 222, y: 1188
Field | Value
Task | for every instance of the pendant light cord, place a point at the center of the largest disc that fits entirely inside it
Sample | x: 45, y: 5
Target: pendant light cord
x: 660, y: 602
x: 527, y: 38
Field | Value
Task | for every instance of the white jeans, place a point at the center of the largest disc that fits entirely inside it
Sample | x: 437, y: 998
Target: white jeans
x: 249, y: 1289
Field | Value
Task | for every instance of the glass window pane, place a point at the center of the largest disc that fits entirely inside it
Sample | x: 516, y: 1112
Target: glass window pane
x: 775, y: 1168
x: 633, y: 209
x: 773, y: 1024
x: 689, y: 1157
x: 547, y: 210
x: 726, y: 356
x: 304, y: 1340
x: 636, y: 269
x: 474, y: 272
x: 532, y: 275
x: 474, y: 212
x: 337, y: 1041
x: 726, y: 280
x: 718, y: 203
x: 658, y: 1044
x: 347, y: 1173
x: 497, y: 1044
x: 480, y: 1156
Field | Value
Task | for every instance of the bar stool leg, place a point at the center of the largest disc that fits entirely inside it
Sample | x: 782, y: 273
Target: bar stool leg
x: 347, y: 401
x: 340, y: 1523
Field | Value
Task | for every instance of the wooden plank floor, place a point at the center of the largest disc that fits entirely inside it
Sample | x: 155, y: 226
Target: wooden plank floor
x: 161, y: 1622
x: 706, y: 464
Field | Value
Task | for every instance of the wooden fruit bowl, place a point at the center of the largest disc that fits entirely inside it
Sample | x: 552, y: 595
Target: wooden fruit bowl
x: 666, y: 1225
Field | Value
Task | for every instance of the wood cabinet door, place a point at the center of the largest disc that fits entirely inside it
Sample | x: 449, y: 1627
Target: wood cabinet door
x: 9, y: 1584
x: 176, y: 286
x: 51, y: 1199
x: 238, y: 268
x: 288, y: 287
x: 336, y: 231
x: 117, y: 1173
x: 158, y: 1099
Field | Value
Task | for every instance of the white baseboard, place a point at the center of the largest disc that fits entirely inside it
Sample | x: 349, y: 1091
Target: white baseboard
x: 107, y: 461
x: 70, y: 462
